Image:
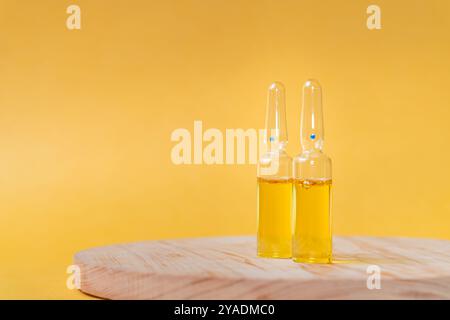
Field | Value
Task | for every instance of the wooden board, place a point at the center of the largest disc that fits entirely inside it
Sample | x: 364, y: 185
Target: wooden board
x: 227, y: 268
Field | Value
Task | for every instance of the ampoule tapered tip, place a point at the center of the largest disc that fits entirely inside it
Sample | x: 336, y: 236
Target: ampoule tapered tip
x: 276, y: 86
x: 276, y: 126
x: 311, y: 120
x: 312, y: 83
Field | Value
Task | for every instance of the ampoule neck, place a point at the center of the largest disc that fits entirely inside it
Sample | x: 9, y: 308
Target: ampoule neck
x: 312, y: 150
x: 278, y: 148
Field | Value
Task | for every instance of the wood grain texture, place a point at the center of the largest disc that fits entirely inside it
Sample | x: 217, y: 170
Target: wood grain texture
x: 227, y: 268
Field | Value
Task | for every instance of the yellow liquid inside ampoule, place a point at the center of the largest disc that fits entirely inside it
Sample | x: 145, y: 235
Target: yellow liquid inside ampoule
x: 312, y: 241
x: 274, y: 218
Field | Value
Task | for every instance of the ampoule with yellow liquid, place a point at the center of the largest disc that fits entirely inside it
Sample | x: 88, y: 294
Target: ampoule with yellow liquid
x: 274, y: 179
x: 312, y: 239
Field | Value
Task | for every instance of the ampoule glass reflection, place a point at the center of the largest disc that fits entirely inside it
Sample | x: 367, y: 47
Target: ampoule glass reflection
x: 274, y: 179
x: 312, y: 240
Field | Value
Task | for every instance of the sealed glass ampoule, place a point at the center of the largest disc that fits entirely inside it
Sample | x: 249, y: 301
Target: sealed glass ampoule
x: 312, y: 239
x: 274, y: 181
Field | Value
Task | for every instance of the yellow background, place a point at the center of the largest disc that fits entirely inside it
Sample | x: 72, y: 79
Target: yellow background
x: 86, y: 118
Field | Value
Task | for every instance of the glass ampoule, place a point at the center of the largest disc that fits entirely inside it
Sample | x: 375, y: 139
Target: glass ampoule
x: 274, y: 180
x: 312, y: 239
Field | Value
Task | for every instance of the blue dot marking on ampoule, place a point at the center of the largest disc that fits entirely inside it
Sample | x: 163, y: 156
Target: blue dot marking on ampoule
x: 312, y: 136
x: 272, y: 139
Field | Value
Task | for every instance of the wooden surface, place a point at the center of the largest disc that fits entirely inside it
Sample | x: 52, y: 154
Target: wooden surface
x: 227, y: 268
